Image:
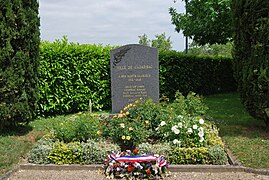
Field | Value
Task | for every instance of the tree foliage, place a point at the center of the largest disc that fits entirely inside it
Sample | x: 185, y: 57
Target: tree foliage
x: 251, y: 55
x: 206, y: 21
x: 214, y: 50
x: 19, y: 59
x: 161, y: 42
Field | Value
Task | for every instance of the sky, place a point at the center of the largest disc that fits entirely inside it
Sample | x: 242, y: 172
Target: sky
x: 108, y: 22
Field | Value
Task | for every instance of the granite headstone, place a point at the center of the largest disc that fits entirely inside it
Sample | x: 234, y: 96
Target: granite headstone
x: 134, y: 75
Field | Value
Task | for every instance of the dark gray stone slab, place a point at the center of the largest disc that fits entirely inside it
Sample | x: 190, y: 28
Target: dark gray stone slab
x: 134, y: 75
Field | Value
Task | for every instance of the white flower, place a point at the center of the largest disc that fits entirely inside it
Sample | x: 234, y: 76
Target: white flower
x: 180, y: 116
x: 176, y: 141
x: 201, y: 129
x: 201, y: 134
x: 202, y: 139
x: 174, y: 128
x: 163, y: 123
x: 176, y: 131
x: 201, y: 121
x: 189, y: 130
x: 194, y: 126
x: 157, y: 129
x: 122, y: 125
x: 180, y: 125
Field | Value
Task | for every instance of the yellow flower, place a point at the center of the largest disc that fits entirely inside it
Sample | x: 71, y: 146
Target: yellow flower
x: 130, y: 129
x: 128, y: 138
x: 121, y: 111
x: 146, y: 122
x: 98, y: 132
x: 127, y: 113
x: 120, y: 115
x: 122, y: 137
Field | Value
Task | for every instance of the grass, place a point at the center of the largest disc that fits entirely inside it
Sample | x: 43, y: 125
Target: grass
x: 244, y: 136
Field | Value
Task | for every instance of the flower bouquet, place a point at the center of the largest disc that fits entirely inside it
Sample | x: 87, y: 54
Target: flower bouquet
x: 125, y: 164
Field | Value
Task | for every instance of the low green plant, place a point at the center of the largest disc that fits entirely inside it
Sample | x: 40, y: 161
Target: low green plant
x: 159, y: 148
x: 78, y: 127
x: 189, y: 156
x: 47, y: 151
x: 40, y: 151
x: 63, y: 153
x: 95, y: 152
x: 217, y: 155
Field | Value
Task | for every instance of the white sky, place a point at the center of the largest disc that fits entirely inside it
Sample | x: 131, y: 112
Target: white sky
x: 114, y: 22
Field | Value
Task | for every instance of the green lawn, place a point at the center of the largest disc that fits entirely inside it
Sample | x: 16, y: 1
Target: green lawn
x: 245, y: 136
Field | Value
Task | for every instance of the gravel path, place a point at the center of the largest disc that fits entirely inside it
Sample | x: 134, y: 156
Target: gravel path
x: 97, y: 175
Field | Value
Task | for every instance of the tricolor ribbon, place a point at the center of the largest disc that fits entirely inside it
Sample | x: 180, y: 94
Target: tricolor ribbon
x: 160, y: 161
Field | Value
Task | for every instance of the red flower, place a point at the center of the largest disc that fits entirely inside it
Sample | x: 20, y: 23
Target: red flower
x: 148, y: 172
x: 130, y: 168
x: 135, y: 151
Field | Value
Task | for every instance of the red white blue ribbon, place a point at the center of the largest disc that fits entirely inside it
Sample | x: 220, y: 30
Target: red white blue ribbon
x: 160, y: 161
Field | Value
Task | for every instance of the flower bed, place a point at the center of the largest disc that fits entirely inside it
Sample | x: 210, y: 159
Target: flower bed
x: 178, y: 130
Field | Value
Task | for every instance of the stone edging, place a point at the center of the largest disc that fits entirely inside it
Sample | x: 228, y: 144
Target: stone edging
x: 172, y: 168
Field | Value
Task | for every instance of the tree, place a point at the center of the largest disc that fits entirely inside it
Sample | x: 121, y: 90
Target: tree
x: 161, y: 42
x: 19, y: 59
x: 251, y: 55
x: 206, y: 21
x: 224, y: 50
x: 144, y: 40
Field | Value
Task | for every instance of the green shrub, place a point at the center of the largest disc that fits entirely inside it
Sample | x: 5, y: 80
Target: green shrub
x: 179, y: 122
x: 19, y: 60
x: 79, y: 127
x: 189, y: 156
x: 217, y: 155
x: 203, y: 75
x: 47, y: 151
x: 251, y: 55
x: 95, y: 152
x: 63, y: 153
x: 71, y: 75
x: 40, y: 151
x: 160, y: 148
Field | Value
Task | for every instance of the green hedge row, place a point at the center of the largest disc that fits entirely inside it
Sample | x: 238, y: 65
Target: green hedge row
x: 71, y: 74
x: 203, y: 75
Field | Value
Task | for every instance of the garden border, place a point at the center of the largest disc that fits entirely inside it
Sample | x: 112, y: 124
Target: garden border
x: 234, y: 166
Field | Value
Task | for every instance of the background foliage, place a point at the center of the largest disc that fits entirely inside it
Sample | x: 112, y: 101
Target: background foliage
x: 203, y: 75
x: 251, y: 54
x: 71, y: 75
x: 206, y: 21
x: 19, y: 60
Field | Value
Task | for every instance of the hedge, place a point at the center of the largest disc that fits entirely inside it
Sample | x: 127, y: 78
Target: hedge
x: 72, y: 74
x: 203, y: 75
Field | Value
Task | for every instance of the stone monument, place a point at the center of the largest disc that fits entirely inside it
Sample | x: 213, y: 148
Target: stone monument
x: 134, y: 75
